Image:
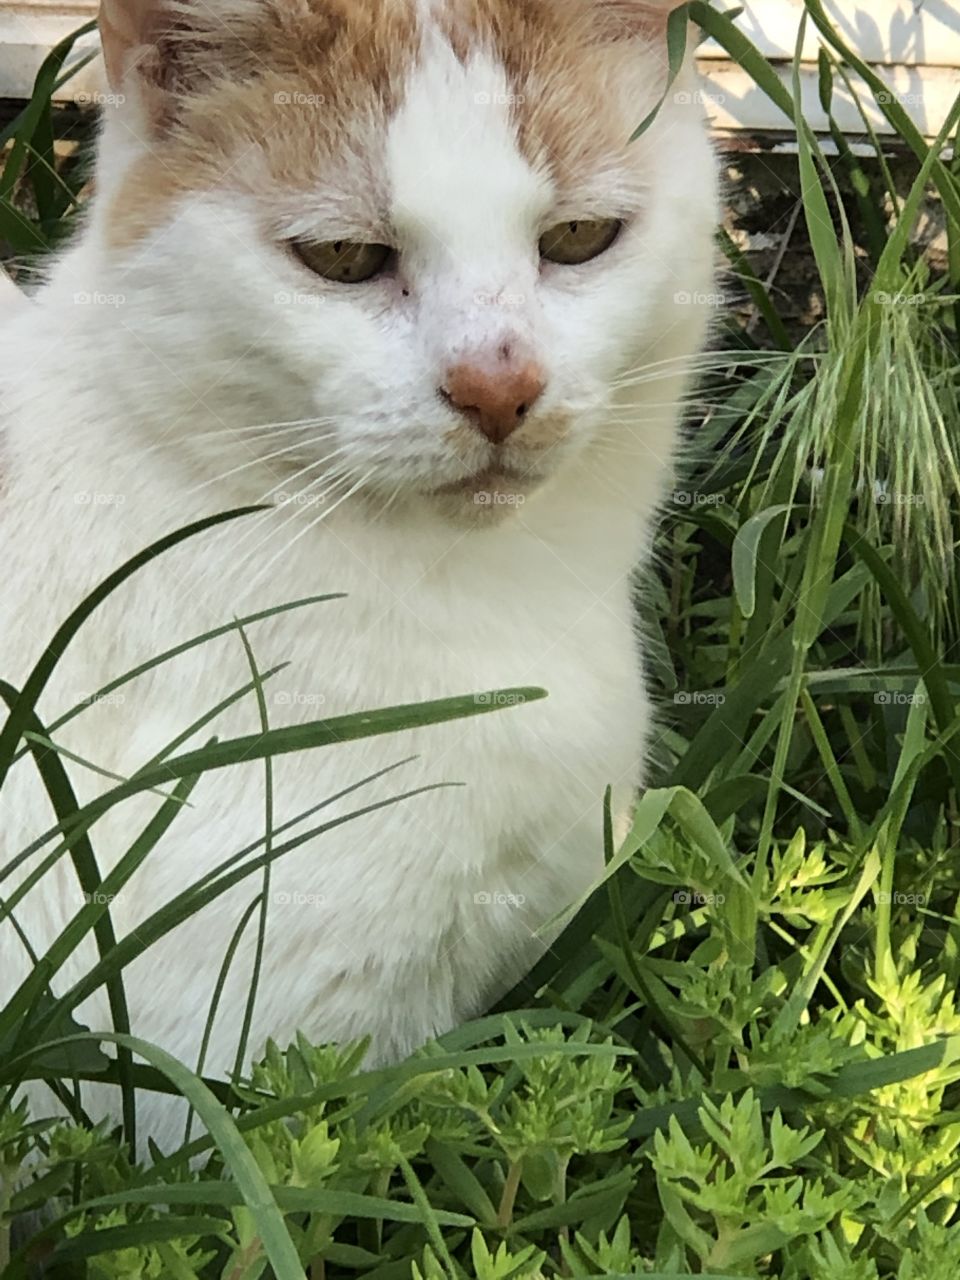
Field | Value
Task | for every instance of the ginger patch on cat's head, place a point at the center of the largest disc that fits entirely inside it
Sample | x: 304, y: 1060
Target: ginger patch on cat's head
x: 574, y: 68
x: 249, y: 93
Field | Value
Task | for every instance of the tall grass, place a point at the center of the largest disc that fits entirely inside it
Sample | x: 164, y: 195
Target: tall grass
x: 742, y: 1056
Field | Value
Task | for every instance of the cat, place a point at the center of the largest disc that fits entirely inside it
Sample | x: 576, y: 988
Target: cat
x: 395, y: 269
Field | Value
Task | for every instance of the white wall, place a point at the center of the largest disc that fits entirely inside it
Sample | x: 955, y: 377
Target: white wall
x: 915, y: 49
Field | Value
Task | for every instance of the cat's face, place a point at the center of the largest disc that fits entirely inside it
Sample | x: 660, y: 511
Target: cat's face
x: 419, y: 228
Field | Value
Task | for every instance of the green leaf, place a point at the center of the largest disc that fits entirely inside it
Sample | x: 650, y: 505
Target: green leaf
x: 23, y: 709
x: 677, y: 28
x: 746, y: 547
x: 237, y: 1157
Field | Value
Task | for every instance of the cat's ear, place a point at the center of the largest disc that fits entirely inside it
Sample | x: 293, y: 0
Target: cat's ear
x: 129, y: 32
x: 636, y: 17
x: 163, y: 48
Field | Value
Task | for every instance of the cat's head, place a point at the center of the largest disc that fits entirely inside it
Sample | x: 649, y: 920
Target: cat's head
x: 419, y: 228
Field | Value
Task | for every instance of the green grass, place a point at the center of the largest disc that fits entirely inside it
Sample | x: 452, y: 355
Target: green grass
x: 742, y: 1058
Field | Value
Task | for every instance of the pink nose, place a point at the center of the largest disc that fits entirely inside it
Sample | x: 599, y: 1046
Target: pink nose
x: 495, y: 397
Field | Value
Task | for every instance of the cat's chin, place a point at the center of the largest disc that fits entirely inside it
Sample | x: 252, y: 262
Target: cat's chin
x: 486, y: 498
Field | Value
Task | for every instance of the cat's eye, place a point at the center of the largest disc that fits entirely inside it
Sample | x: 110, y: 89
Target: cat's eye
x: 572, y: 243
x: 346, y: 261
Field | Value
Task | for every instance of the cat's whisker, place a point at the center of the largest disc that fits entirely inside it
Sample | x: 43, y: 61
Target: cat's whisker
x: 662, y: 370
x: 385, y: 507
x: 289, y: 481
x: 263, y: 459
x: 288, y: 509
x: 292, y: 500
x: 648, y: 377
x: 692, y: 399
x: 634, y: 446
x: 394, y: 496
x: 678, y: 362
x: 631, y: 424
x: 323, y: 515
x: 623, y: 436
x: 617, y: 428
x: 607, y: 480
x: 228, y: 434
x: 711, y: 360
x: 723, y: 356
x: 299, y: 424
x: 306, y: 497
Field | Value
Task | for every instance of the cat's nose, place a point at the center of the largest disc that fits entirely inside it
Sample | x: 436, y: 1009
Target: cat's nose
x: 496, y: 397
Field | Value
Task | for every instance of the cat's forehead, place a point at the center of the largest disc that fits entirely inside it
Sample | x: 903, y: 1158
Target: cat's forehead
x: 455, y: 181
x: 378, y: 101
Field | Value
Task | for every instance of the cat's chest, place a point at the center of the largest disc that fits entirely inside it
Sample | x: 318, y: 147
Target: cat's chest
x: 354, y: 615
x: 469, y: 614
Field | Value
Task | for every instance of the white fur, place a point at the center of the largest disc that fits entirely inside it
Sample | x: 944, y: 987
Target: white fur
x: 12, y: 301
x: 379, y: 927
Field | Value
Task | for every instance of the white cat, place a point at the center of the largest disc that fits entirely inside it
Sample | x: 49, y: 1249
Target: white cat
x: 397, y: 269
